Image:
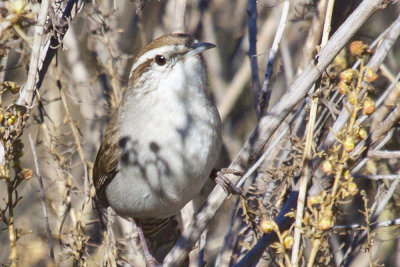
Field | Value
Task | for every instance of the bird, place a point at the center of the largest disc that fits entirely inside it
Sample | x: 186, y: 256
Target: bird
x: 162, y: 140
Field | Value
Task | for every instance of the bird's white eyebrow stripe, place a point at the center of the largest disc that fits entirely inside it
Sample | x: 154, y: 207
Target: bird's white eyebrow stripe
x: 153, y: 52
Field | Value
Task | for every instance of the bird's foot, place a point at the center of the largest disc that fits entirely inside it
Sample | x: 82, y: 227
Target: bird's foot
x: 220, y: 178
x: 148, y: 258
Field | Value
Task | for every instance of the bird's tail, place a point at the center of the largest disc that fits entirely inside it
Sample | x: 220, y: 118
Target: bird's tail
x: 161, y: 235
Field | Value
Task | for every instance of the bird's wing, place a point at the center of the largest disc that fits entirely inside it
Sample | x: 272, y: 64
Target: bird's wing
x: 105, y: 165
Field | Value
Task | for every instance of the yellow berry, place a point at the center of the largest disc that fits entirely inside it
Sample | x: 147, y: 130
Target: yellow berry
x: 327, y: 167
x: 325, y: 223
x: 12, y: 120
x: 362, y: 133
x: 347, y: 175
x: 13, y: 87
x: 288, y: 241
x: 267, y: 226
x: 348, y: 144
x: 343, y: 88
x: 352, y: 188
x: 346, y: 76
x: 368, y: 106
x: 370, y: 75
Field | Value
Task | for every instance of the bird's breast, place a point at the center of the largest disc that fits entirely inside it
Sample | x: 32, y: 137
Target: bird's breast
x: 168, y: 157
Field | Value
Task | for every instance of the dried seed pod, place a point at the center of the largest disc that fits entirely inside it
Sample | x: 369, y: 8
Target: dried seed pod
x: 12, y: 120
x: 325, y: 223
x: 352, y: 188
x: 13, y: 87
x: 370, y: 75
x: 343, y: 88
x: 267, y: 226
x: 347, y: 175
x: 327, y: 166
x: 348, y: 144
x: 347, y: 76
x: 288, y: 241
x: 357, y: 48
x: 368, y: 106
x: 362, y: 133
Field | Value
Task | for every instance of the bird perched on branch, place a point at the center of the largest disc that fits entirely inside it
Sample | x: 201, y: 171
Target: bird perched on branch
x: 161, y: 142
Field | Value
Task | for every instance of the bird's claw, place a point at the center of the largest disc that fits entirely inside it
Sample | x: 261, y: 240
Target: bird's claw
x: 224, y: 182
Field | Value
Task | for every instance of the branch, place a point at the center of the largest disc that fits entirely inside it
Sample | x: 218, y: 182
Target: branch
x: 42, y: 199
x: 380, y: 154
x: 378, y: 176
x: 372, y: 226
x: 26, y: 94
x: 265, y: 92
x: 255, y: 81
x: 44, y: 50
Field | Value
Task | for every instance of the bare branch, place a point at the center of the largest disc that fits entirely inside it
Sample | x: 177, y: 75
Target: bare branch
x: 42, y: 199
x: 265, y: 92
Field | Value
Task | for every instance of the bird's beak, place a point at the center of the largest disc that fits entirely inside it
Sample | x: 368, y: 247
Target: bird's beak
x: 198, y: 48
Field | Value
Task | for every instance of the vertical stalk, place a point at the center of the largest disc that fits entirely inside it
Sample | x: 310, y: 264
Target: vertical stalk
x: 12, y: 235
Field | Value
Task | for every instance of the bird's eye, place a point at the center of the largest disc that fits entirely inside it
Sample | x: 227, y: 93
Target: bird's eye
x: 160, y: 60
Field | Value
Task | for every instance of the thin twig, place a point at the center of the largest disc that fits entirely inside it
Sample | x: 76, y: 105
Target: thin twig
x: 380, y: 154
x: 79, y: 149
x: 305, y: 177
x: 378, y: 176
x: 252, y: 25
x: 42, y: 199
x: 242, y: 75
x: 352, y: 227
x: 265, y: 93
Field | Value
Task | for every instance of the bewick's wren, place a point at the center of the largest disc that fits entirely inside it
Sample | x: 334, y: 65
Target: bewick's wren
x: 164, y: 137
